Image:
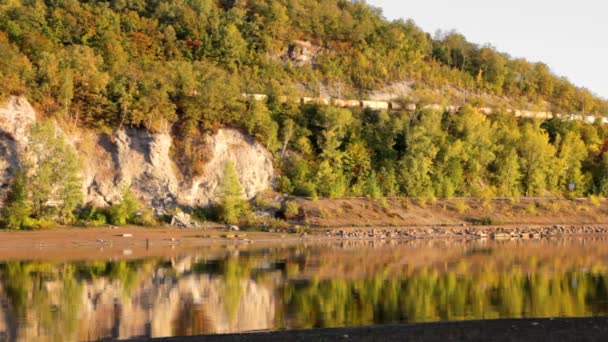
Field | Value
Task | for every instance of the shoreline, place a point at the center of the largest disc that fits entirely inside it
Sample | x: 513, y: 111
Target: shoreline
x: 137, y: 242
x: 527, y: 329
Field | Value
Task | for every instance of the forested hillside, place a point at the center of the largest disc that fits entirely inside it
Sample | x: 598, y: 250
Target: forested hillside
x: 182, y: 66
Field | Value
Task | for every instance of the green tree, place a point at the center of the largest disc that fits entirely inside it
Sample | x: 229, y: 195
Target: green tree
x: 572, y: 152
x: 508, y: 175
x: 232, y: 204
x: 17, y: 210
x: 417, y: 164
x: 536, y: 156
x: 52, y: 169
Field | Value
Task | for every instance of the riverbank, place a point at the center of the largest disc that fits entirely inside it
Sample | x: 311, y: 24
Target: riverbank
x: 137, y: 242
x: 410, y: 212
x: 547, y: 329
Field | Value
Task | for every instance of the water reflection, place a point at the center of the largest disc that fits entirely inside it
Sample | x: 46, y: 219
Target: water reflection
x: 302, y: 286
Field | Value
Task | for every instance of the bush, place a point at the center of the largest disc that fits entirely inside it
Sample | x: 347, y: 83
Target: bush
x: 461, y: 206
x: 91, y: 216
x: 39, y: 224
x: 383, y: 203
x: 422, y: 201
x: 485, y: 221
x: 125, y: 212
x: 306, y: 189
x: 595, y: 201
x: 284, y: 185
x: 291, y: 209
x: 531, y: 209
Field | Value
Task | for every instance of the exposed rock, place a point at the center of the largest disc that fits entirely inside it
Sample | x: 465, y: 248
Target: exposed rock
x: 182, y: 220
x: 394, y: 91
x: 16, y: 117
x: 301, y: 53
x: 140, y: 159
x: 252, y: 162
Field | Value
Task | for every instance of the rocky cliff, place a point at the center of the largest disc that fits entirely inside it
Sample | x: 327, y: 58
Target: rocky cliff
x: 141, y: 159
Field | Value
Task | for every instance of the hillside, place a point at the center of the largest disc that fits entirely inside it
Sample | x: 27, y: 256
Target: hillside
x: 109, y: 63
x: 136, y: 90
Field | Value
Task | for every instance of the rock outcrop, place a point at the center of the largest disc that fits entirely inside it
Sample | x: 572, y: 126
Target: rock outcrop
x: 16, y: 117
x: 140, y: 159
x: 253, y: 165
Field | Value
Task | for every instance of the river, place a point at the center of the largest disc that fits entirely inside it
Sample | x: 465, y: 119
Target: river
x: 238, y: 288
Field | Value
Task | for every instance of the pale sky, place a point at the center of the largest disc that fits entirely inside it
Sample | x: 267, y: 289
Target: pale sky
x: 571, y: 37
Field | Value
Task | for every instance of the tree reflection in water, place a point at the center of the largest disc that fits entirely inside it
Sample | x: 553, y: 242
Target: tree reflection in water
x: 302, y: 286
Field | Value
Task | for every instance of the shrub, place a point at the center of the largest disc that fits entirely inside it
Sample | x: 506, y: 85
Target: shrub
x: 383, y: 203
x: 486, y: 196
x: 595, y: 201
x: 39, y: 224
x: 306, y: 189
x: 461, y: 206
x: 126, y: 211
x: 531, y: 209
x: 92, y: 216
x: 284, y: 185
x: 421, y: 201
x: 554, y: 206
x: 486, y: 221
x: 291, y: 209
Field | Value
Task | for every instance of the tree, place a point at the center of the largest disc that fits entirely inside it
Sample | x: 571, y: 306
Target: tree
x: 232, y: 204
x: 69, y: 183
x: 536, y: 155
x: 330, y: 181
x: 508, y: 175
x: 52, y: 170
x: 417, y: 164
x: 572, y: 152
x: 17, y: 210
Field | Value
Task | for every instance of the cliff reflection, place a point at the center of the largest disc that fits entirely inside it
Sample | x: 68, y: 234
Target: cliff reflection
x: 301, y: 286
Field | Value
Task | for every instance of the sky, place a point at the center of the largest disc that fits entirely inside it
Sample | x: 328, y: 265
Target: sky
x: 571, y: 37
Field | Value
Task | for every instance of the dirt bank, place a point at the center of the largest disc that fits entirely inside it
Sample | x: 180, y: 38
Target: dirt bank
x: 406, y: 212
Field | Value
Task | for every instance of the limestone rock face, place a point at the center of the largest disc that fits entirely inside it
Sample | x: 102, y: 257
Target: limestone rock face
x: 253, y: 165
x: 16, y: 117
x: 140, y: 159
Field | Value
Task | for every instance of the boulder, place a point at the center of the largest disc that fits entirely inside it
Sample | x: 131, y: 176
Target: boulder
x: 182, y: 220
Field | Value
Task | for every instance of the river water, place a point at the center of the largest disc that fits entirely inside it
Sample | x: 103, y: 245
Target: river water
x: 229, y: 289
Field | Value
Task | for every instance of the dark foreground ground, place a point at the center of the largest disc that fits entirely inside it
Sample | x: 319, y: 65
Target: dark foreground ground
x: 559, y: 329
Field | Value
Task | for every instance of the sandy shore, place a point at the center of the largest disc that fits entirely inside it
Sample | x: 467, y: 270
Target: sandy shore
x: 122, y: 242
x: 137, y: 242
x: 558, y: 329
